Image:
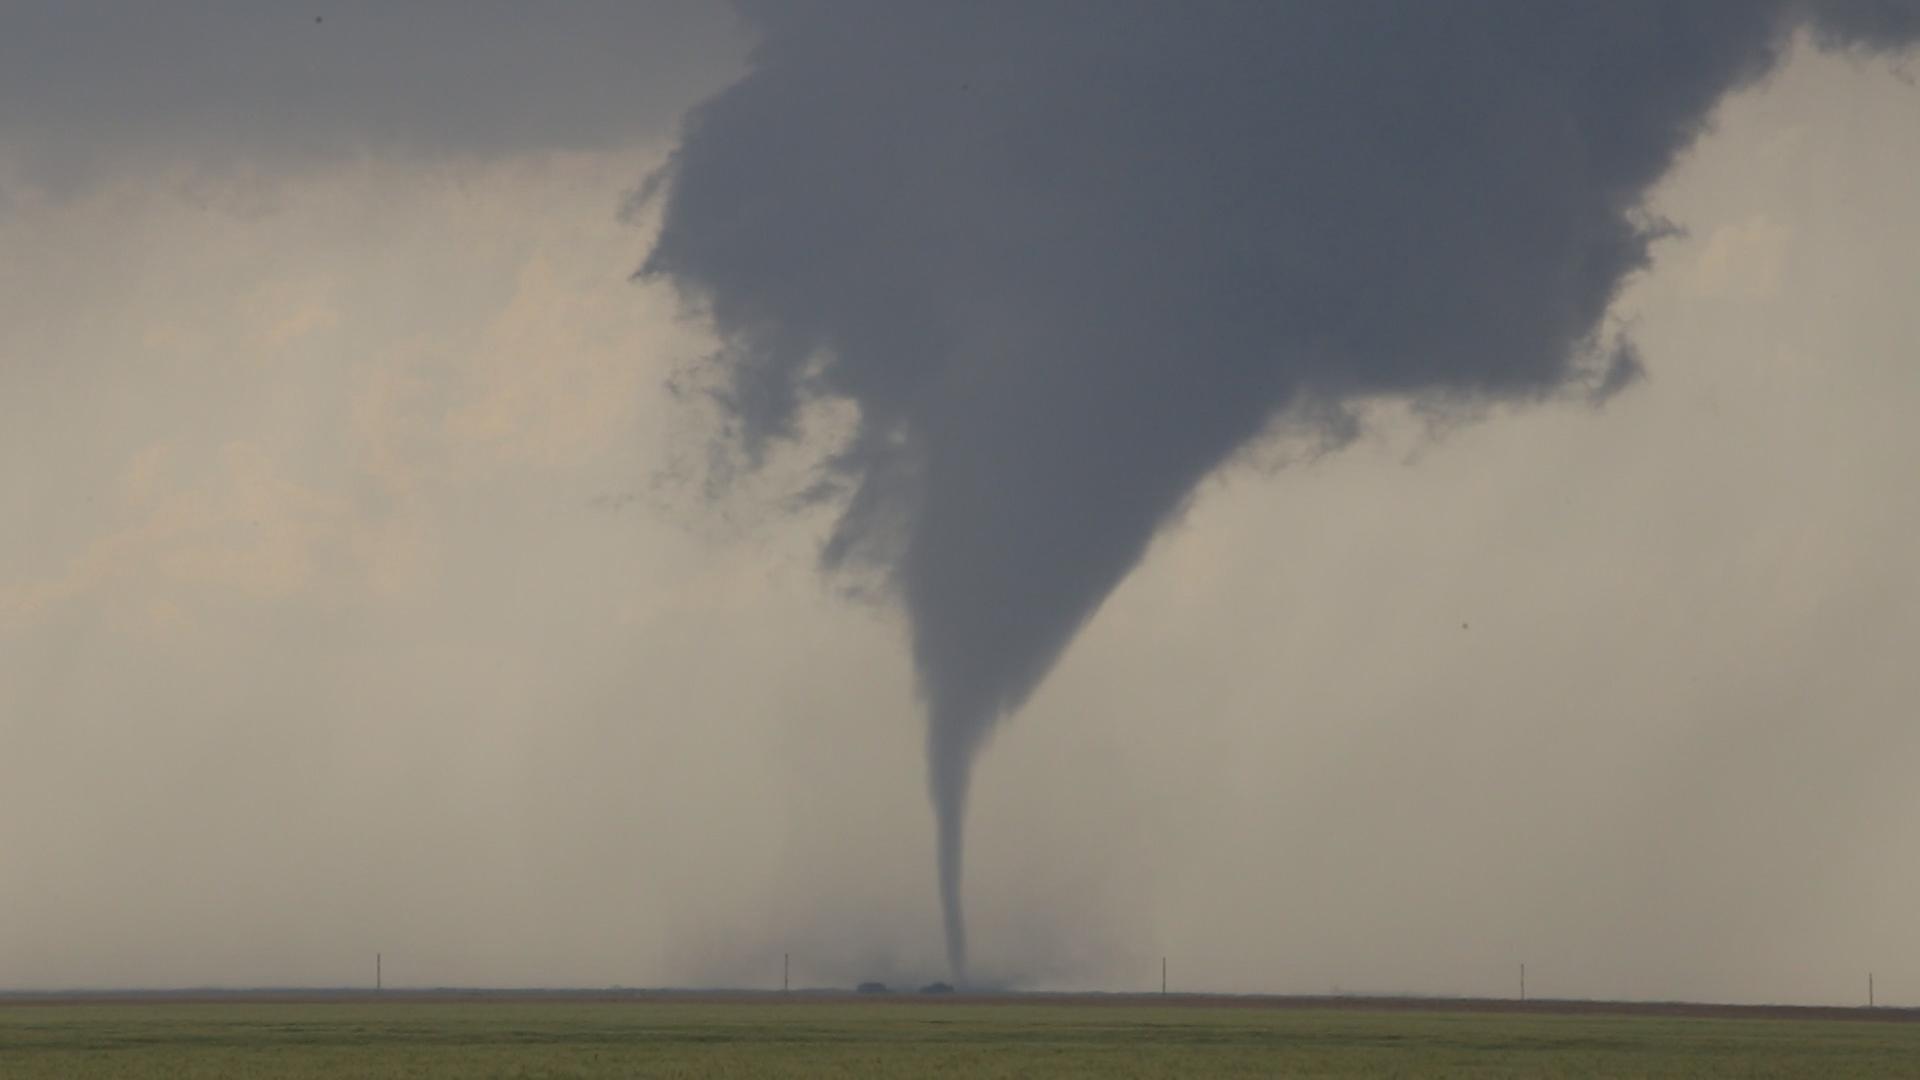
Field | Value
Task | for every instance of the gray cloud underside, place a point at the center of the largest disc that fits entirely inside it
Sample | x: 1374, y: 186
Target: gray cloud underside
x: 297, y: 83
x: 1067, y: 258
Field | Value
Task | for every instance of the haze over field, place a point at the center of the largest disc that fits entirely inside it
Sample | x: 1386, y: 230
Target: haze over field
x: 384, y: 578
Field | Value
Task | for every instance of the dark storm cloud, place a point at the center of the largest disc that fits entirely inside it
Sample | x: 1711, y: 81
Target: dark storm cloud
x: 1874, y: 25
x: 298, y: 82
x: 1067, y: 258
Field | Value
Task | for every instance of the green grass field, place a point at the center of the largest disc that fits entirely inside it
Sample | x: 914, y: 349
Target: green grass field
x: 860, y: 1038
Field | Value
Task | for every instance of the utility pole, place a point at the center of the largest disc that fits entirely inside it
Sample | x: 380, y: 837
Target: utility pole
x: 1163, y: 976
x: 378, y: 982
x: 785, y: 962
x: 1869, y: 989
x: 1523, y: 982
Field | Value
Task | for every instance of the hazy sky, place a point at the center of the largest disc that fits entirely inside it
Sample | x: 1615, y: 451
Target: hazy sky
x: 363, y: 588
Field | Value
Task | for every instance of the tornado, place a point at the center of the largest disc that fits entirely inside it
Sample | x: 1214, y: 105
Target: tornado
x: 1065, y: 259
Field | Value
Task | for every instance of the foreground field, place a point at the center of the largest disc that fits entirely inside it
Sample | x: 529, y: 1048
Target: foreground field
x: 803, y: 1037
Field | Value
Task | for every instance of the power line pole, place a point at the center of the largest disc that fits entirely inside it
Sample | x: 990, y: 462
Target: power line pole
x: 785, y: 961
x: 378, y: 981
x: 1869, y: 989
x: 1523, y: 982
x: 1163, y: 976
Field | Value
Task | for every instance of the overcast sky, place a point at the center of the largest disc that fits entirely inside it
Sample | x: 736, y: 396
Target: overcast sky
x: 364, y: 584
